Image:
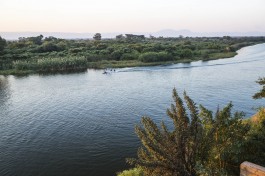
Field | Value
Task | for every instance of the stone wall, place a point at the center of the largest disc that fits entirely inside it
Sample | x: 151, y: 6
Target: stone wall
x: 250, y: 169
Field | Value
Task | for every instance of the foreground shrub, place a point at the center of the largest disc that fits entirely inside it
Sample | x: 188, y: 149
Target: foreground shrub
x: 199, y: 143
x: 254, y: 145
x: 132, y: 172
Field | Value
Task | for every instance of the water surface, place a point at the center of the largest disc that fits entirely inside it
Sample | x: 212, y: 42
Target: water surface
x: 83, y: 124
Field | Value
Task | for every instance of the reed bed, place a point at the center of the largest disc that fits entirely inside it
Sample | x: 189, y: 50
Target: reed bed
x: 52, y: 64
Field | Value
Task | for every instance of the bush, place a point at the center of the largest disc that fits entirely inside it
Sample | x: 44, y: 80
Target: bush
x: 185, y: 53
x: 96, y: 57
x: 116, y: 55
x: 132, y: 172
x: 254, y: 148
x: 130, y: 56
x: 48, y: 47
x: 206, y: 143
x: 155, y: 57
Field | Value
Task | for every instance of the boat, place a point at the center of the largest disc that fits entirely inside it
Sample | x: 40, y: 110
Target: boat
x: 109, y: 71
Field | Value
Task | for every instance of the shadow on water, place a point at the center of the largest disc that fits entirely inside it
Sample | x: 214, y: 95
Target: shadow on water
x: 4, y: 90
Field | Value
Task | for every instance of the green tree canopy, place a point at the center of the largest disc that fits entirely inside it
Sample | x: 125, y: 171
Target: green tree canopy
x: 2, y: 43
x: 97, y: 36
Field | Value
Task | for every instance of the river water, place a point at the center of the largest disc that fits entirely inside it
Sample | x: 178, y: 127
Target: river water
x: 83, y: 124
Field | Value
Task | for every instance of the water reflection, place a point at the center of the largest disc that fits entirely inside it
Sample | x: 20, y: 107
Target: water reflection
x: 4, y: 90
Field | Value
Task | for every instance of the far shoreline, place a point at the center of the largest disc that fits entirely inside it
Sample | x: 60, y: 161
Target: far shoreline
x: 100, y: 65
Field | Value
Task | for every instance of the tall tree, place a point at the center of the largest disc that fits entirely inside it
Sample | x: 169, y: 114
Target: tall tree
x: 97, y: 36
x: 119, y: 37
x: 2, y: 43
x: 261, y: 93
x: 36, y: 40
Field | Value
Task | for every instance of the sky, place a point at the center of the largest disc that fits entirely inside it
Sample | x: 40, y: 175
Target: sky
x: 81, y: 16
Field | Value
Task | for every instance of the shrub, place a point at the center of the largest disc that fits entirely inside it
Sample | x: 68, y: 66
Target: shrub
x: 129, y: 56
x: 155, y: 57
x: 185, y: 53
x: 198, y: 143
x: 131, y: 172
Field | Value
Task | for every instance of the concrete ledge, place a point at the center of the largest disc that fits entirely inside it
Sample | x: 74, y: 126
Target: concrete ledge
x: 250, y: 169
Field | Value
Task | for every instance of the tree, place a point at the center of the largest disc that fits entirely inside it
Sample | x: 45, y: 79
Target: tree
x: 36, y: 40
x: 261, y: 93
x: 152, y: 37
x: 186, y: 53
x: 97, y: 36
x: 223, y: 137
x: 119, y: 37
x: 199, y: 144
x: 2, y: 43
x: 167, y: 152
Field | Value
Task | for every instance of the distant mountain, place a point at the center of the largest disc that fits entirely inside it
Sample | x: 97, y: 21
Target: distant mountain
x: 172, y: 33
x: 164, y: 33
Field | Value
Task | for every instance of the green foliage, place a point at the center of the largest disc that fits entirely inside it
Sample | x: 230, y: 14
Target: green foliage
x: 97, y: 36
x: 167, y: 152
x: 119, y: 37
x: 199, y: 144
x: 130, y: 56
x: 224, y: 135
x: 155, y: 57
x: 135, y: 50
x: 254, y: 148
x: 132, y: 172
x: 52, y: 64
x: 261, y: 93
x: 2, y: 43
x: 185, y: 53
x: 34, y: 40
x: 49, y: 46
x: 116, y: 55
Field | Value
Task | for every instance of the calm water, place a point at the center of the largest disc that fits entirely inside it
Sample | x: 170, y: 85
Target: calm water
x: 83, y: 124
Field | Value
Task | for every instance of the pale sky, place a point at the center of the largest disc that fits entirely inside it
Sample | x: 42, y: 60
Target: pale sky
x: 131, y: 16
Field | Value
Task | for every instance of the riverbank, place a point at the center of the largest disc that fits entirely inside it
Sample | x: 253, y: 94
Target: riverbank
x: 113, y: 64
x: 51, y: 55
x: 116, y: 64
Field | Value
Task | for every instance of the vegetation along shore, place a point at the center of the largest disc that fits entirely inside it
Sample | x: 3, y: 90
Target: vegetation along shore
x: 50, y: 54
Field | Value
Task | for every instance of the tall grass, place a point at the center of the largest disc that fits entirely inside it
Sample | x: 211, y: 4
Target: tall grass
x: 52, y: 64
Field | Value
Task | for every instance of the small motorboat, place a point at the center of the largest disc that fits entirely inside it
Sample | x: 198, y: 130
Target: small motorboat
x: 109, y: 71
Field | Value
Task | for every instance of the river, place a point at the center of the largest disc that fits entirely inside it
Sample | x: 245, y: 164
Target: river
x: 83, y: 123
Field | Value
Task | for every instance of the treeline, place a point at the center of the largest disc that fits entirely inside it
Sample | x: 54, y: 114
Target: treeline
x: 133, y: 49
